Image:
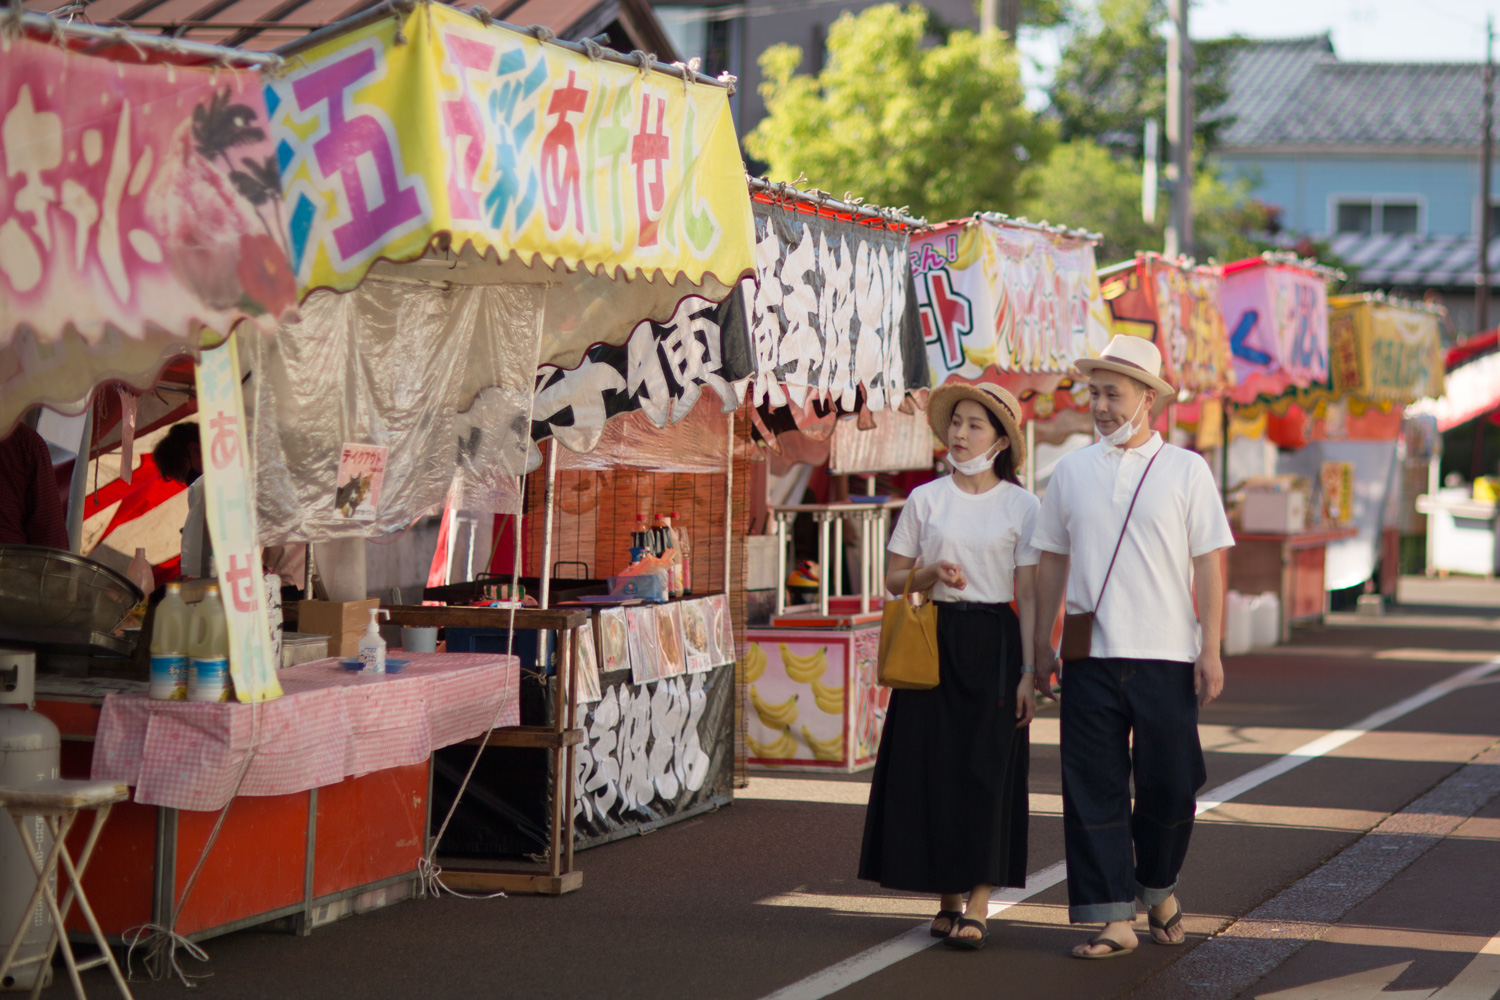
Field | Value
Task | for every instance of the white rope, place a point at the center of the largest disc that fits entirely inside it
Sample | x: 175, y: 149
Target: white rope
x: 161, y: 943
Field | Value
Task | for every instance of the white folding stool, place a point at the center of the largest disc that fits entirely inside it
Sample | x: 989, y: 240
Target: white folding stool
x: 58, y: 802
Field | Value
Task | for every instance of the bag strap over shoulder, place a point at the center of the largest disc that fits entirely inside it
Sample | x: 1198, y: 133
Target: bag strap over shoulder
x: 1130, y: 510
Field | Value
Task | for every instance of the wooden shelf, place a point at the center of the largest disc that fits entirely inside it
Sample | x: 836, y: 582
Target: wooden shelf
x: 542, y: 737
x: 416, y: 616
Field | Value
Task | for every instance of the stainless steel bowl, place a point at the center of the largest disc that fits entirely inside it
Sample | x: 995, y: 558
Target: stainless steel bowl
x: 52, y: 588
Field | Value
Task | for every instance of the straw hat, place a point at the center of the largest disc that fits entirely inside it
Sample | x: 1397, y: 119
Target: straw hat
x: 1134, y: 356
x: 992, y: 397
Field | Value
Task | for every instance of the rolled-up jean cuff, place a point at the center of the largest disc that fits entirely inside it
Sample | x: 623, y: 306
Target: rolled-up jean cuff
x: 1154, y: 897
x: 1101, y: 913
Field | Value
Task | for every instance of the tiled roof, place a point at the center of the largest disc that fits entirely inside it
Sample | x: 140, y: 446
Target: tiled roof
x: 1415, y: 261
x: 1296, y: 92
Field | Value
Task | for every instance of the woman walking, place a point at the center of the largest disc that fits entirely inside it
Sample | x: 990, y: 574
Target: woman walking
x: 948, y: 799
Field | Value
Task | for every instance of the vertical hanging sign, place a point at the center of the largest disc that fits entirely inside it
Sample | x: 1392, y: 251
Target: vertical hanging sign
x: 228, y: 504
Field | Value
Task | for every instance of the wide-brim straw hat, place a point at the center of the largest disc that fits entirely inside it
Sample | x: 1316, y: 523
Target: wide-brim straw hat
x: 1137, y: 357
x: 994, y: 398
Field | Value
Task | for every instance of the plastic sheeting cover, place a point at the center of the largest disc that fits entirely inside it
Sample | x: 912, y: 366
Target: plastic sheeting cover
x: 439, y: 376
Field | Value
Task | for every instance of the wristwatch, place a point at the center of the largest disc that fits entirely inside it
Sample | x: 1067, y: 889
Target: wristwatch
x: 1027, y: 668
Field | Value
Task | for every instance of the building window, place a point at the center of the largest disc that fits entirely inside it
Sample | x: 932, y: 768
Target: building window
x: 1356, y: 217
x: 1398, y: 218
x: 1394, y: 216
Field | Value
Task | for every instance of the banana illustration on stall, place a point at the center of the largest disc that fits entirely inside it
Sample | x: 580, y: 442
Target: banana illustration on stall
x: 783, y: 747
x: 755, y: 663
x: 828, y: 699
x: 824, y: 749
x: 806, y: 668
x: 774, y: 716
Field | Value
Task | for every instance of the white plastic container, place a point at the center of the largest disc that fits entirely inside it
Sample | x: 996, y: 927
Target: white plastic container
x: 208, y: 649
x: 372, y: 644
x: 169, y: 647
x: 1265, y: 625
x: 1238, y: 623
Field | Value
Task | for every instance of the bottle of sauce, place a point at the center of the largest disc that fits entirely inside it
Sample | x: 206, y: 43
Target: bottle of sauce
x: 684, y: 552
x: 669, y: 554
x: 169, y: 647
x: 208, y: 649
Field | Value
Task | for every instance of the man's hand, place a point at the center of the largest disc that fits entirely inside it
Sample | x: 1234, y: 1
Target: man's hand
x: 951, y: 575
x: 1025, y: 701
x: 1208, y: 676
x: 1046, y: 668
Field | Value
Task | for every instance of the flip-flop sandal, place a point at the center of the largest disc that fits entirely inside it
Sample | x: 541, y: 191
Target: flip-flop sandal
x: 1165, y: 926
x: 1116, y: 949
x: 969, y: 944
x: 952, y: 916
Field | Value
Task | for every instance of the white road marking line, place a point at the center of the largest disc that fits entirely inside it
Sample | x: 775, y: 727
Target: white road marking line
x: 872, y: 960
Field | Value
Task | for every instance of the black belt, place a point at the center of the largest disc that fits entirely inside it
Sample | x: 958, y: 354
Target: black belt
x: 973, y: 605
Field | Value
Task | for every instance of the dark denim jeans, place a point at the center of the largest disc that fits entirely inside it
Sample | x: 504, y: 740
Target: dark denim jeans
x: 1117, y: 854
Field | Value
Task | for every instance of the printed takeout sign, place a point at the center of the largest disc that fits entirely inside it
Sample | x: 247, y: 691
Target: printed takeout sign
x: 361, y: 470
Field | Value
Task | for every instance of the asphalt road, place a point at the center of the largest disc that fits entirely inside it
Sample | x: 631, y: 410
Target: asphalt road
x: 761, y: 897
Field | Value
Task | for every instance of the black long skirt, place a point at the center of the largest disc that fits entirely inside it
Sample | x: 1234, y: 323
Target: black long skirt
x: 948, y: 799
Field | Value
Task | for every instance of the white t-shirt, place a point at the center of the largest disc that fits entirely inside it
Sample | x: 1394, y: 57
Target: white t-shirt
x: 987, y: 534
x: 1147, y: 612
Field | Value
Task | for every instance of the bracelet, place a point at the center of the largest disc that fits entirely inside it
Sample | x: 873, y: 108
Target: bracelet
x: 1027, y: 668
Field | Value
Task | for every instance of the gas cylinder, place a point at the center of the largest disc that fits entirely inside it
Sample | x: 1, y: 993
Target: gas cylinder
x: 29, y: 749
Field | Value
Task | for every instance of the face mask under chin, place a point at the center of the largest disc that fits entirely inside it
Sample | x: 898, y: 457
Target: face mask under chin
x: 975, y: 466
x: 1124, y: 432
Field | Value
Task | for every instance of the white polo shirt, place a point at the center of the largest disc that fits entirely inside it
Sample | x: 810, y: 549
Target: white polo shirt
x: 1147, y: 612
x: 988, y: 534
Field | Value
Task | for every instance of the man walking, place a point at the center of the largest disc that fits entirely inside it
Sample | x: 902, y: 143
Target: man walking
x: 1133, y: 528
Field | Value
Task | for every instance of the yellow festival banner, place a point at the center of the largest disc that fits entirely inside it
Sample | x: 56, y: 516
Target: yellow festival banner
x: 432, y: 122
x: 1384, y: 351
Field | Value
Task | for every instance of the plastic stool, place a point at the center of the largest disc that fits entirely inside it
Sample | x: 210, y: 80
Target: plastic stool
x: 58, y: 802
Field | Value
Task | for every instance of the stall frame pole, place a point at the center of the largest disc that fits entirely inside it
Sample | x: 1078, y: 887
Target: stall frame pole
x: 728, y: 504
x: 549, y: 498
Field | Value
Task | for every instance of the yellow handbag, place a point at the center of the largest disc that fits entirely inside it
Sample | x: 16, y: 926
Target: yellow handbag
x: 908, y: 641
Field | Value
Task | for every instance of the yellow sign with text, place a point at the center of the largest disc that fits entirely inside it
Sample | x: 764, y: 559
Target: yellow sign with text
x: 434, y: 123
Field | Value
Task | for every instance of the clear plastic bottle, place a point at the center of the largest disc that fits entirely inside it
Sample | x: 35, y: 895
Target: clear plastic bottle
x: 169, y: 647
x: 208, y: 649
x: 669, y: 555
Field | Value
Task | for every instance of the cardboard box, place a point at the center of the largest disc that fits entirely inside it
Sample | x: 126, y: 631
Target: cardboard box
x: 342, y: 621
x: 1275, y: 513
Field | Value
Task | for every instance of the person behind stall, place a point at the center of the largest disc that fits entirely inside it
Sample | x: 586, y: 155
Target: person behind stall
x: 948, y: 799
x: 179, y: 457
x: 1146, y: 517
x: 31, y: 513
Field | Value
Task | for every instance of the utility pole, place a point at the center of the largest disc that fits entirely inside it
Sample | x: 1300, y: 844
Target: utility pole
x: 1179, y: 236
x: 1002, y: 14
x: 1482, y: 291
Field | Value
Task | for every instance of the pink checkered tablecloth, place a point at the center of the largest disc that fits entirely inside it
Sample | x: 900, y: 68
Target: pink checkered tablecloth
x: 330, y: 724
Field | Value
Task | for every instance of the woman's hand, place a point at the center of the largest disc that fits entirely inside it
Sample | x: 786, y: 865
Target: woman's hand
x: 1025, y: 701
x: 950, y: 574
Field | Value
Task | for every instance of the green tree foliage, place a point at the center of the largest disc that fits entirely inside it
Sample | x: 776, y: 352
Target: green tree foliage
x: 938, y: 128
x: 1113, y: 71
x: 1086, y: 186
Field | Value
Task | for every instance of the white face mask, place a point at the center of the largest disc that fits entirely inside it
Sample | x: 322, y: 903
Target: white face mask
x: 1123, y: 433
x: 974, y: 466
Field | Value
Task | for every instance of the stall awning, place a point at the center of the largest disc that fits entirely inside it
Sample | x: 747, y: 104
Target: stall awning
x: 1470, y: 390
x: 620, y: 188
x: 1018, y: 297
x: 1384, y: 350
x: 1177, y: 306
x: 1276, y: 312
x: 140, y: 223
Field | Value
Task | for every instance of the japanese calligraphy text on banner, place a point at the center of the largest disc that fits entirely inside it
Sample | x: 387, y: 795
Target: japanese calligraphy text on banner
x: 430, y: 123
x: 1383, y: 351
x: 1277, y: 317
x: 1178, y: 308
x: 830, y: 315
x: 228, y: 501
x: 1016, y: 299
x: 136, y: 202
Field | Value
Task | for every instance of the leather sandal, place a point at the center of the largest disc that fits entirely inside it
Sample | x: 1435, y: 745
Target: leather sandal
x: 952, y: 916
x: 967, y: 943
x: 1116, y: 949
x: 1165, y: 926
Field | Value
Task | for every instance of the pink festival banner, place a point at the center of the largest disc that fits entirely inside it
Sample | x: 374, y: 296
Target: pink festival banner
x: 1277, y: 318
x: 135, y: 201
